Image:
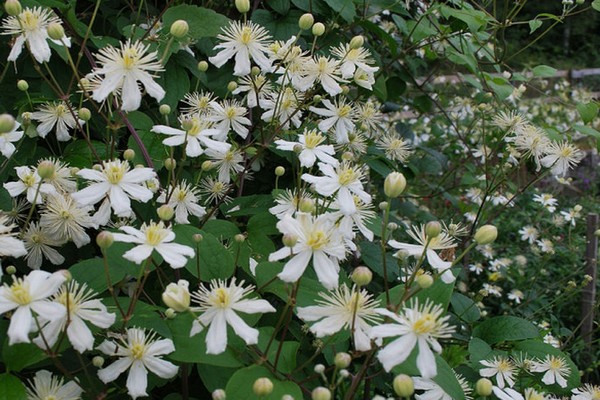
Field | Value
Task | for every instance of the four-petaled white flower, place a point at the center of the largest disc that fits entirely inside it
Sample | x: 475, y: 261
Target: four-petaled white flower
x: 151, y: 237
x: 27, y: 295
x: 343, y: 308
x: 555, y: 368
x: 80, y: 305
x: 339, y: 115
x: 428, y: 245
x: 344, y: 180
x: 323, y: 70
x: 501, y: 368
x: 219, y: 305
x: 59, y: 114
x: 416, y: 326
x: 122, y: 68
x: 31, y: 183
x: 184, y: 200
x: 244, y: 41
x: 31, y: 26
x: 312, y: 148
x: 317, y: 238
x: 138, y: 352
x: 46, y: 386
x: 116, y: 181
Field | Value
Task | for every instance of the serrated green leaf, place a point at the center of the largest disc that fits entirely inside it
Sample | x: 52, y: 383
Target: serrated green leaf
x: 534, y: 24
x: 505, y: 328
x: 11, y: 388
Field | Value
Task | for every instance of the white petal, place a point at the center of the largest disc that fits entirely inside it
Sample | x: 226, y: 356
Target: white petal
x: 137, y: 380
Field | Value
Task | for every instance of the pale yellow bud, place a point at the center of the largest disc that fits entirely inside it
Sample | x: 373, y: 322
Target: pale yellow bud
x: 486, y: 234
x: 170, y: 164
x: 177, y: 295
x: 433, y: 229
x: 219, y: 394
x: 357, y: 42
x: 98, y: 361
x: 255, y: 71
x: 164, y: 109
x: 362, y: 276
x: 104, y: 239
x: 483, y: 387
x: 7, y: 123
x: 424, y: 281
x: 13, y: 7
x: 179, y: 28
x: 342, y: 360
x: 46, y: 169
x: 306, y: 21
x: 262, y: 387
x: 170, y: 313
x: 55, y: 31
x: 165, y: 212
x: 318, y: 29
x: 279, y: 171
x: 231, y: 86
x: 404, y: 385
x: 394, y: 184
x: 129, y: 154
x: 11, y: 270
x: 306, y: 205
x: 202, y: 66
x: 22, y: 85
x: 319, y: 368
x: 84, y: 114
x: 207, y: 165
x: 197, y: 237
x: 289, y: 240
x: 243, y: 6
x: 321, y: 393
x: 239, y: 238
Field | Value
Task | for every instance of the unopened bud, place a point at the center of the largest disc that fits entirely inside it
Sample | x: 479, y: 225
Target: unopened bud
x: 357, y: 42
x: 98, y: 361
x: 165, y: 212
x: 344, y: 373
x: 202, y: 66
x: 22, y: 85
x: 11, y: 270
x: 239, y: 238
x: 306, y: 205
x: 45, y: 169
x: 187, y: 124
x: 13, y: 7
x: 342, y: 360
x: 289, y: 240
x: 164, y: 109
x: 170, y: 313
x: 347, y: 156
x: 362, y: 276
x: 177, y: 295
x: 321, y: 393
x: 279, y: 171
x: 394, y: 184
x: 231, y: 86
x: 392, y: 226
x: 577, y: 208
x: 7, y: 123
x: 383, y: 205
x: 129, y: 154
x: 251, y: 151
x: 433, y: 229
x: 207, y: 165
x: 179, y: 28
x: 197, y: 237
x: 597, y: 233
x: 404, y: 385
x: 486, y: 234
x: 318, y: 29
x: 319, y: 368
x: 84, y: 114
x: 345, y: 90
x: 483, y: 387
x: 104, y: 239
x: 66, y: 274
x: 262, y: 386
x: 243, y: 6
x: 170, y: 164
x: 402, y: 255
x: 55, y: 31
x: 424, y: 281
x: 219, y: 394
x: 306, y: 21
x: 317, y: 98
x: 255, y: 71
x: 298, y: 148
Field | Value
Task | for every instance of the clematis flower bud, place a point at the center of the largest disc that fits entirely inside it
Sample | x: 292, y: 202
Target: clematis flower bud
x: 262, y: 387
x: 404, y: 385
x: 394, y: 184
x: 177, y: 295
x: 179, y: 28
x: 306, y: 21
x: 486, y: 234
x: 483, y: 387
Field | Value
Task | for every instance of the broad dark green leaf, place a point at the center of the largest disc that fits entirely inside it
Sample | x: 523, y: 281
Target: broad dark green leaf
x: 505, y: 328
x: 345, y: 8
x: 465, y: 308
x: 202, y: 21
x: 21, y: 355
x: 11, y: 388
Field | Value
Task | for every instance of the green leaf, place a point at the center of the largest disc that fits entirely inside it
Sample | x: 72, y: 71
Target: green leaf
x: 263, y: 223
x: 212, y: 258
x: 280, y: 27
x: 505, y: 328
x: 214, y: 377
x: 589, y: 131
x: 202, y: 21
x: 21, y: 355
x: 587, y: 111
x: 534, y: 24
x: 176, y: 83
x: 380, y: 88
x: 11, y: 388
x: 371, y: 255
x: 279, y: 6
x: 345, y: 8
x: 543, y: 71
x: 596, y: 5
x: 478, y: 350
x: 221, y: 228
x: 287, y: 355
x: 240, y: 385
x: 78, y: 153
x: 465, y: 308
x: 474, y: 19
x: 153, y: 144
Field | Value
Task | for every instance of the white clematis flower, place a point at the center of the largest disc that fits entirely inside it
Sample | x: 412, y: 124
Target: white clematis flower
x: 7, y: 148
x: 31, y: 26
x: 27, y: 295
x: 46, y: 386
x: 29, y: 182
x: 219, y: 305
x: 80, y: 305
x: 151, y: 237
x: 138, y: 352
x: 121, y: 69
x: 312, y: 148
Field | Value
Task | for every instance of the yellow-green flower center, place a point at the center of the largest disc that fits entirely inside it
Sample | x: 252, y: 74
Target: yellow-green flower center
x: 29, y: 20
x: 181, y: 195
x: 347, y: 175
x: 312, y: 139
x: 20, y: 294
x: 130, y: 58
x: 115, y: 173
x: 221, y: 297
x: 425, y: 324
x: 246, y: 36
x: 155, y: 234
x: 317, y: 240
x: 29, y: 180
x: 60, y: 110
x: 138, y: 350
x: 344, y: 111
